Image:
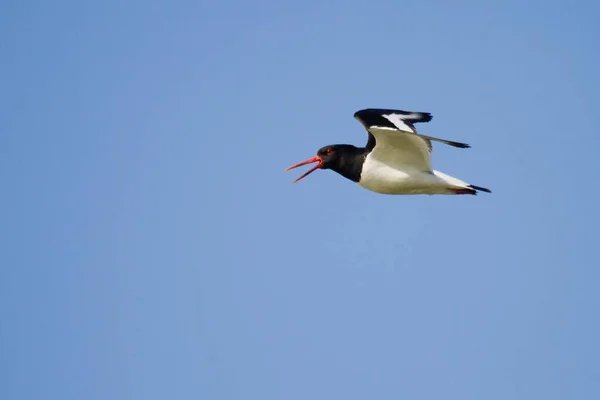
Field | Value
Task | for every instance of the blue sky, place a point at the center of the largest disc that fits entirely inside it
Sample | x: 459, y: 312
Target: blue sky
x: 152, y: 246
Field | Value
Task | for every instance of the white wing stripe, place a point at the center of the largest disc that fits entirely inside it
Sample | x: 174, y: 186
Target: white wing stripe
x: 398, y: 121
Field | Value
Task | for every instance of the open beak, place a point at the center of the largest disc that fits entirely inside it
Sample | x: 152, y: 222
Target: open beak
x: 316, y: 159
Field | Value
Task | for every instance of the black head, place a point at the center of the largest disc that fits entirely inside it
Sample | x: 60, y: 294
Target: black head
x: 344, y: 159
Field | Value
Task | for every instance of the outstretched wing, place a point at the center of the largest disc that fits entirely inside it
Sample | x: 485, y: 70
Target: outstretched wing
x: 393, y: 139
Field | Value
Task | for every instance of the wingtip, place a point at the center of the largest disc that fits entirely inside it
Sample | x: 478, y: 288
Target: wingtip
x: 458, y: 144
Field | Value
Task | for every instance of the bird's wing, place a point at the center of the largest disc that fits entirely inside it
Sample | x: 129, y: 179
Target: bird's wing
x: 394, y: 140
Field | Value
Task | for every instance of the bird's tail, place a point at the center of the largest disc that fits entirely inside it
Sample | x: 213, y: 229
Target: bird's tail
x: 480, y: 189
x: 456, y: 186
x: 470, y: 189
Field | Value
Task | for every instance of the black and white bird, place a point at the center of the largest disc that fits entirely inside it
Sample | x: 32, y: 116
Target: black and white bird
x: 396, y: 159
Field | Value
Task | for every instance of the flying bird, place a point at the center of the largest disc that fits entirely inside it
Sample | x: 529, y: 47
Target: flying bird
x: 396, y: 159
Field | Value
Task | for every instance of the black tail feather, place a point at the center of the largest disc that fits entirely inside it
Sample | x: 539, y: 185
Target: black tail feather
x: 481, y: 189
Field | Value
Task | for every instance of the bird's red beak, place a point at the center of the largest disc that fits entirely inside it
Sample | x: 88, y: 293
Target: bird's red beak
x: 313, y: 169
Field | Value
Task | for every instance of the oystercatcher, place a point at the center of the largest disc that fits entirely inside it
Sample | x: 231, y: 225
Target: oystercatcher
x: 396, y: 159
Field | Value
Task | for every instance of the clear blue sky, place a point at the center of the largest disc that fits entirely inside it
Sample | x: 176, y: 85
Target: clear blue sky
x: 152, y: 246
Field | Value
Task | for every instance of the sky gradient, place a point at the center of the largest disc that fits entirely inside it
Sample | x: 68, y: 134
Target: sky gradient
x: 152, y: 246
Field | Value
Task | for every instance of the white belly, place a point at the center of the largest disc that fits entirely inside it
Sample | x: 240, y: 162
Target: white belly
x: 381, y: 178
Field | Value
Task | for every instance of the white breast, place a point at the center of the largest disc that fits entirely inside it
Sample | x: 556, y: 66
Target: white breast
x: 382, y: 178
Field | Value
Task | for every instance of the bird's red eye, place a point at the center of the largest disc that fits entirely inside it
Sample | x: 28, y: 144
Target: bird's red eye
x: 328, y: 151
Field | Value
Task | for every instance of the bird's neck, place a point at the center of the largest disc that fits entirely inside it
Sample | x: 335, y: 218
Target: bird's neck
x: 350, y: 164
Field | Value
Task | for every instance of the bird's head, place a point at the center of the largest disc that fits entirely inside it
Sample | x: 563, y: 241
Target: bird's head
x: 328, y: 157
